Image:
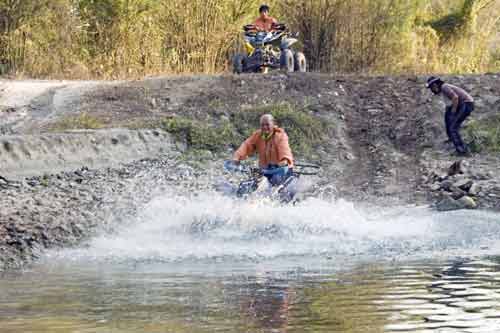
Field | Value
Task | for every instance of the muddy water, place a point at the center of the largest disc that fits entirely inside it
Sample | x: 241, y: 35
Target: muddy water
x: 210, y: 264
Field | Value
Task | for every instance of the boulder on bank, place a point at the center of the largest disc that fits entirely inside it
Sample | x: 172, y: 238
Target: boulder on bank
x: 465, y: 186
x: 467, y: 202
x: 457, y: 168
x: 448, y: 203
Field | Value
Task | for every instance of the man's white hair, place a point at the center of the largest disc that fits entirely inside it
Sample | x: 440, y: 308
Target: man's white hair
x: 268, y: 117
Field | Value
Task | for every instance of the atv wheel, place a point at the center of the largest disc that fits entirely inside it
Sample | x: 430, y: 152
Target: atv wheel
x: 286, y: 61
x: 300, y: 62
x: 238, y: 63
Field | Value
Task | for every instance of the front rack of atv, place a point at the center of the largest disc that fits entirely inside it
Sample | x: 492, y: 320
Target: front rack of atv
x: 299, y: 169
x: 306, y: 169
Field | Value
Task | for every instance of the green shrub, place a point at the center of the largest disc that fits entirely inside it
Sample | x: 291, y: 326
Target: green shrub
x: 200, y: 136
x: 484, y: 135
x: 82, y: 121
x: 304, y: 130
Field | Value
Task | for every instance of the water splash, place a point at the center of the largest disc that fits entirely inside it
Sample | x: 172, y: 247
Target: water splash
x: 208, y: 225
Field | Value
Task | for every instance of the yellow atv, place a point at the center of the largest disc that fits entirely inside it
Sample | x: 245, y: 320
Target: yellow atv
x: 269, y: 50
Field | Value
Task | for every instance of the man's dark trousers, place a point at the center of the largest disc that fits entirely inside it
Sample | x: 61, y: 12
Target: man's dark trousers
x: 453, y: 123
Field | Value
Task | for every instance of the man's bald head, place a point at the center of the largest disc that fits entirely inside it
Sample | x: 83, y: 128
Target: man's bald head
x: 267, y: 123
x: 267, y: 117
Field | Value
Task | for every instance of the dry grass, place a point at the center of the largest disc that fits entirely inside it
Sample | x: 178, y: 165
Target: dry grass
x: 112, y: 39
x: 82, y: 121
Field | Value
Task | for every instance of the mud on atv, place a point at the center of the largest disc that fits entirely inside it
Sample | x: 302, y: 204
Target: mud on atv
x: 269, y: 50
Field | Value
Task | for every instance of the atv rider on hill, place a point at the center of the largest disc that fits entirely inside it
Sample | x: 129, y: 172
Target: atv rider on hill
x: 271, y: 144
x: 265, y: 22
x: 268, y: 46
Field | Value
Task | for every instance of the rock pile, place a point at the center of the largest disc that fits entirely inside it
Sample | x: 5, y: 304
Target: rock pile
x: 462, y: 187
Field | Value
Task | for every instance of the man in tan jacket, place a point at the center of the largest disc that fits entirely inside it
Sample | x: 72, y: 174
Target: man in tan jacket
x: 271, y: 144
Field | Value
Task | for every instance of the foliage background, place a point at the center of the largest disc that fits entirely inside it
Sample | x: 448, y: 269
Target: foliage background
x: 111, y: 39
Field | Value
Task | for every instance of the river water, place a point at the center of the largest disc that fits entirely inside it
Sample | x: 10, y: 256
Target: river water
x: 212, y: 264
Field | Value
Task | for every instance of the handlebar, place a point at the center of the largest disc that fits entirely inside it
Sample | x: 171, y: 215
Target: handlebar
x: 249, y: 27
x: 304, y: 169
x: 275, y: 26
x: 279, y: 26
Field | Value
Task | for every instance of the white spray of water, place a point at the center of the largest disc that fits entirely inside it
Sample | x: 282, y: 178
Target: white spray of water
x: 176, y: 228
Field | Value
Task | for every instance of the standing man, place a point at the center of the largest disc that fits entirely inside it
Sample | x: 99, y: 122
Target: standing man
x: 265, y: 22
x: 459, y: 106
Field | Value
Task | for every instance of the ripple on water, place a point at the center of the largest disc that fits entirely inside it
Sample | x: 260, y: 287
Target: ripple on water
x: 448, y: 301
x: 468, y: 301
x: 492, y: 313
x: 468, y: 306
x: 422, y: 296
x: 433, y: 312
x: 457, y: 324
x: 472, y: 269
x: 483, y: 298
x: 488, y: 275
x: 406, y: 290
x: 483, y: 263
x: 487, y: 327
x: 459, y: 286
x: 411, y: 327
x: 457, y: 316
x: 471, y: 292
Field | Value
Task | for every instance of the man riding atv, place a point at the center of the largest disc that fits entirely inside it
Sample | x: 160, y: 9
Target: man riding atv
x: 275, y: 159
x: 268, y: 46
x: 271, y: 144
x: 265, y: 22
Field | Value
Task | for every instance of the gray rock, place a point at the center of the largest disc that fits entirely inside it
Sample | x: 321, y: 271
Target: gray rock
x: 435, y: 187
x: 481, y: 176
x: 447, y: 203
x: 467, y: 202
x: 457, y: 193
x: 475, y: 189
x: 205, y: 155
x: 447, y: 185
x: 3, y: 181
x: 464, y: 184
x: 442, y: 177
x: 457, y: 168
x: 349, y: 157
x: 490, y: 99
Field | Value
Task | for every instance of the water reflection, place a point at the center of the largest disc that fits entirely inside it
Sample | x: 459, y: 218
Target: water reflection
x: 462, y: 297
x: 265, y: 305
x: 452, y: 296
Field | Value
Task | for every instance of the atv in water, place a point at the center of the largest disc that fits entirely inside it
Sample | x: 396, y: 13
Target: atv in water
x: 269, y: 50
x: 258, y: 184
